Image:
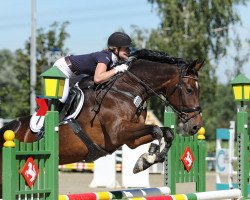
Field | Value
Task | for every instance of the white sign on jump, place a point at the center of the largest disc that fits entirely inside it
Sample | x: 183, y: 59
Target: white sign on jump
x: 222, y: 161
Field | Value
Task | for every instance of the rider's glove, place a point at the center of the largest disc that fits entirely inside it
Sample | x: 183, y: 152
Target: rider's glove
x: 121, y: 68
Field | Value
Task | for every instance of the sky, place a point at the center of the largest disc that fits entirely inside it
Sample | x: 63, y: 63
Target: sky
x: 91, y: 22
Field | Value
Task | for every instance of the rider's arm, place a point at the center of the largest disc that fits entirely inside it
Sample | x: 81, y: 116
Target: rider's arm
x: 101, y: 74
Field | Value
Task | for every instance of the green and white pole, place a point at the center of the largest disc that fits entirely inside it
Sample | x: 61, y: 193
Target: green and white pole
x: 243, y: 150
x: 241, y: 90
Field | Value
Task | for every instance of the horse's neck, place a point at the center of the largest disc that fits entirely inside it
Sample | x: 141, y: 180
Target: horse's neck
x: 147, y: 78
x: 155, y: 74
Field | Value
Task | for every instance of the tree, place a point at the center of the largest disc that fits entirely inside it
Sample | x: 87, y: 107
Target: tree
x: 47, y: 41
x: 8, y: 85
x: 196, y: 30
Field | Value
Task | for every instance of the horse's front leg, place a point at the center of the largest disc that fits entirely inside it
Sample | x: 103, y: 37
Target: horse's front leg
x: 157, y: 151
x: 135, y: 134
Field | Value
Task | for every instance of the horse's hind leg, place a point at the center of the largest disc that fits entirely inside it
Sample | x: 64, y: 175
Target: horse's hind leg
x: 156, y: 152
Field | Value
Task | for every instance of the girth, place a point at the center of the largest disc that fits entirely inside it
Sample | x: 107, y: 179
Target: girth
x: 95, y: 151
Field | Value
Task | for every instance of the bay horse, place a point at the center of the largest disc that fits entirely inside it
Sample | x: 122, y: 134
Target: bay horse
x: 113, y: 113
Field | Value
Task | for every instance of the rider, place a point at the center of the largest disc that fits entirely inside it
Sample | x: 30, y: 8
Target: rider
x: 98, y: 64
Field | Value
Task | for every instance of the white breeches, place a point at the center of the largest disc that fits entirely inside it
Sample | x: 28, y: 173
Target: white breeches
x: 63, y: 67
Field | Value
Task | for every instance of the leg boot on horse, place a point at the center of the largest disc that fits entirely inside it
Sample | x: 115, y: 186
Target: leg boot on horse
x: 156, y: 152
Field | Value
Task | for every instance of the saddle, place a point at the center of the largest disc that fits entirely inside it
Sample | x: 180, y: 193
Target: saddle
x: 73, y: 104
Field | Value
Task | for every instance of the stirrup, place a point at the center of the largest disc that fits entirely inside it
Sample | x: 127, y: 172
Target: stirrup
x: 40, y: 133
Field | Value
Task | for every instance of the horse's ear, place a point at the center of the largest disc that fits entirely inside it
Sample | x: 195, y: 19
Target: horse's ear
x: 191, y: 67
x: 197, y: 66
x: 194, y: 67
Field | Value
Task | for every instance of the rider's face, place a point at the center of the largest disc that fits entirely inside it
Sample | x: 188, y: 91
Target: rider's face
x: 124, y: 53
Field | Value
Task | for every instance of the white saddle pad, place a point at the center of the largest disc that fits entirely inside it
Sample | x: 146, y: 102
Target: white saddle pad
x: 37, y: 122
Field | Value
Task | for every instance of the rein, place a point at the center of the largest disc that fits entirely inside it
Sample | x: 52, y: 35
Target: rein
x: 99, y: 95
x: 183, y: 112
x: 148, y: 87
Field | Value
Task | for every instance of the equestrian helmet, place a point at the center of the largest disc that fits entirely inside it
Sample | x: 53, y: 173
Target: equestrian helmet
x: 119, y: 39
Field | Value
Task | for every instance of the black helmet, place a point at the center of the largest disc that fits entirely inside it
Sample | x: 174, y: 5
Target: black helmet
x: 119, y: 39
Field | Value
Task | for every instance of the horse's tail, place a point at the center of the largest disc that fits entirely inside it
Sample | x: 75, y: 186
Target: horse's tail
x: 14, y: 125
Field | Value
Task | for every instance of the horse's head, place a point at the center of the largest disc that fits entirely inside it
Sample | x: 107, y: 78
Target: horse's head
x: 176, y: 79
x: 182, y: 93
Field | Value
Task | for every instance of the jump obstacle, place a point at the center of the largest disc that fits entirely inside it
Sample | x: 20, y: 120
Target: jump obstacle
x: 175, y: 172
x: 119, y: 194
x: 30, y: 170
x: 44, y: 155
x: 215, y: 195
x: 41, y: 188
x: 226, y: 159
x: 194, y: 146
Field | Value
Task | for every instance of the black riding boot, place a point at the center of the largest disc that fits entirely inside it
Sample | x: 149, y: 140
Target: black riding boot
x: 61, y: 110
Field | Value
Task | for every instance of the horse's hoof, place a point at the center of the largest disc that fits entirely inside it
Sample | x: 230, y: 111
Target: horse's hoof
x: 144, y: 162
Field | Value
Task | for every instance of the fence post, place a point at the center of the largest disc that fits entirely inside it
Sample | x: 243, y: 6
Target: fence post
x: 175, y: 171
x: 243, y: 151
x: 9, y: 180
x: 201, y: 181
x: 170, y: 169
x: 52, y: 142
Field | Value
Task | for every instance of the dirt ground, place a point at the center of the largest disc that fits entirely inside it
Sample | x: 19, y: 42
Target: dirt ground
x: 78, y: 182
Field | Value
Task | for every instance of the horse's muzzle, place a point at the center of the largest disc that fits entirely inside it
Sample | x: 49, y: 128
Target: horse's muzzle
x: 190, y: 126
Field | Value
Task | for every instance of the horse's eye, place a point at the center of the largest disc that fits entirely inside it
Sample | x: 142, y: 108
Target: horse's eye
x: 189, y: 90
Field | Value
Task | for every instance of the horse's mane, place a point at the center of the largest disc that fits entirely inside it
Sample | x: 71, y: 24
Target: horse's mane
x: 158, y: 56
x: 143, y: 54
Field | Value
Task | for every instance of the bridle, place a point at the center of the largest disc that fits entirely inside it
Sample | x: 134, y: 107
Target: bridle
x: 182, y: 112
